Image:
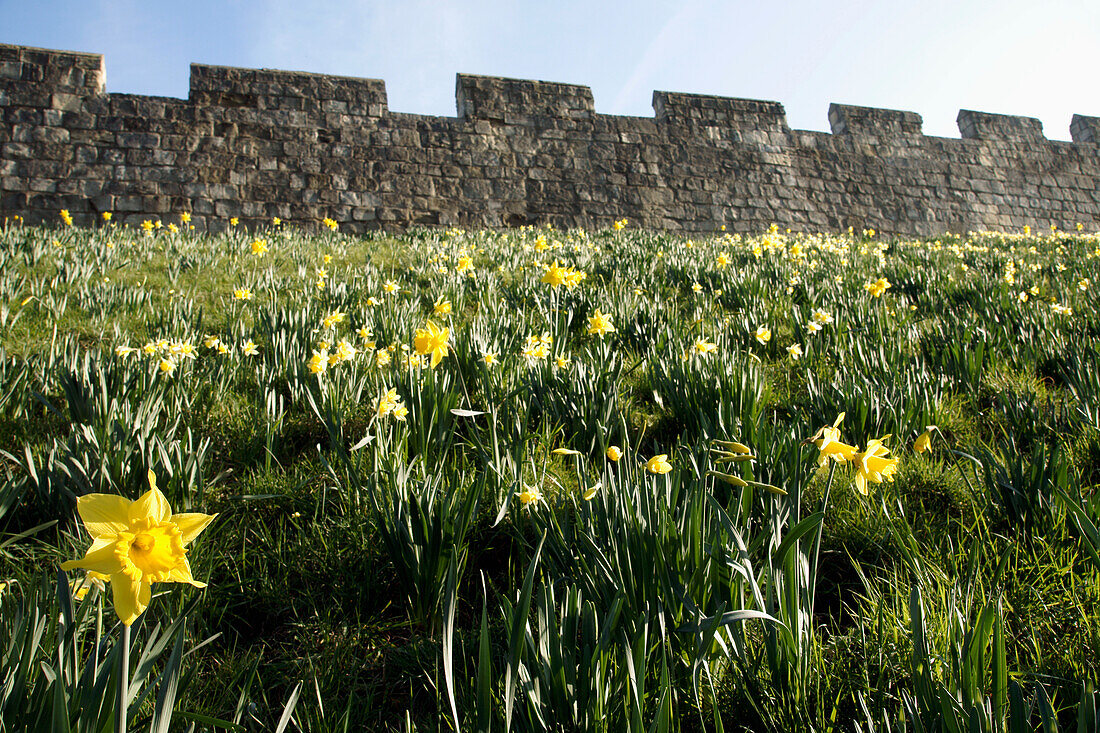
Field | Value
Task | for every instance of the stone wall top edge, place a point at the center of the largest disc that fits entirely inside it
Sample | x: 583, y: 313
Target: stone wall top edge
x: 283, y: 72
x: 515, y: 80
x: 574, y: 102
x: 51, y: 51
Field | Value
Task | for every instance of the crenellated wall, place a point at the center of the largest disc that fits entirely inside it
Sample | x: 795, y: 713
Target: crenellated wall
x: 258, y: 143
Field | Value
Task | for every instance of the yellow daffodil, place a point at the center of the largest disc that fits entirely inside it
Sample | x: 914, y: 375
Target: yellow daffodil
x: 66, y: 217
x: 432, y: 340
x: 555, y: 275
x: 658, y: 464
x: 591, y: 491
x: 136, y: 544
x: 344, y: 351
x: 529, y: 496
x: 702, y: 347
x: 242, y: 294
x: 875, y: 465
x: 924, y: 440
x: 442, y: 306
x: 763, y: 334
x: 614, y: 453
x: 827, y: 440
x: 877, y: 287
x: 259, y: 247
x: 318, y: 362
x: 795, y: 351
x: 573, y: 278
x: 387, y: 402
x: 599, y: 324
x: 107, y: 215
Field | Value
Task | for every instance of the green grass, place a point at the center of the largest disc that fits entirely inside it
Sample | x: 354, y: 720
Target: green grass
x: 390, y: 565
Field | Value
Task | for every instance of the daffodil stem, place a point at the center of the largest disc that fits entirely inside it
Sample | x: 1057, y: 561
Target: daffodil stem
x: 123, y: 679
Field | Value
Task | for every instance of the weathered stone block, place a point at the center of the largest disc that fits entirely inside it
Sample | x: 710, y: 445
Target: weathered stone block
x: 495, y: 98
x: 1085, y: 129
x: 1005, y: 128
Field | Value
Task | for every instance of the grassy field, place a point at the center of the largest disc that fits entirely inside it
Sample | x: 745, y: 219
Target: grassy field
x: 543, y: 480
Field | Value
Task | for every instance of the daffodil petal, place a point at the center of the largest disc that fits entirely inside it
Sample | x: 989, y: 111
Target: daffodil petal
x: 104, y: 514
x: 152, y: 505
x: 131, y: 597
x: 182, y: 574
x: 190, y: 525
x: 101, y: 558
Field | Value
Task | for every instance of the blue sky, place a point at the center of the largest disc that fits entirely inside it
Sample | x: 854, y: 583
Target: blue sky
x: 1039, y: 59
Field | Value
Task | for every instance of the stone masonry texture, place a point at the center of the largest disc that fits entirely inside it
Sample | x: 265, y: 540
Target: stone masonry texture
x: 256, y: 144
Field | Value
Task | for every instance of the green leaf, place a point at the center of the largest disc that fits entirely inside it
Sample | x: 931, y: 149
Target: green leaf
x: 518, y: 632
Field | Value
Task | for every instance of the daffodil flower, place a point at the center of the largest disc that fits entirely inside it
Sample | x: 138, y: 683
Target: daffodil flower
x: 529, y: 496
x: 136, y: 544
x: 658, y: 464
x: 599, y: 324
x: 827, y: 440
x: 924, y: 440
x: 875, y: 465
x: 432, y: 340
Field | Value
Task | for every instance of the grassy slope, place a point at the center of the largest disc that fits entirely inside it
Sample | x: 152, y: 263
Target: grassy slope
x: 305, y: 565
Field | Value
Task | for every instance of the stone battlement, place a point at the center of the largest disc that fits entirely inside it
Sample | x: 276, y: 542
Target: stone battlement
x: 257, y: 143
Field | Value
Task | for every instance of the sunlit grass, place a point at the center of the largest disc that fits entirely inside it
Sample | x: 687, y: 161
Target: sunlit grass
x: 402, y: 536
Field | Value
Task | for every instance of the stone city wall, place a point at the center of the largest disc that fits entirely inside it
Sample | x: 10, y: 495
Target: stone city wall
x: 258, y: 143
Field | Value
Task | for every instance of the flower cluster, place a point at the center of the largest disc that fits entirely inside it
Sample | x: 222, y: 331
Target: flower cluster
x: 873, y: 463
x: 389, y: 403
x: 877, y: 287
x: 556, y: 275
x: 537, y: 348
